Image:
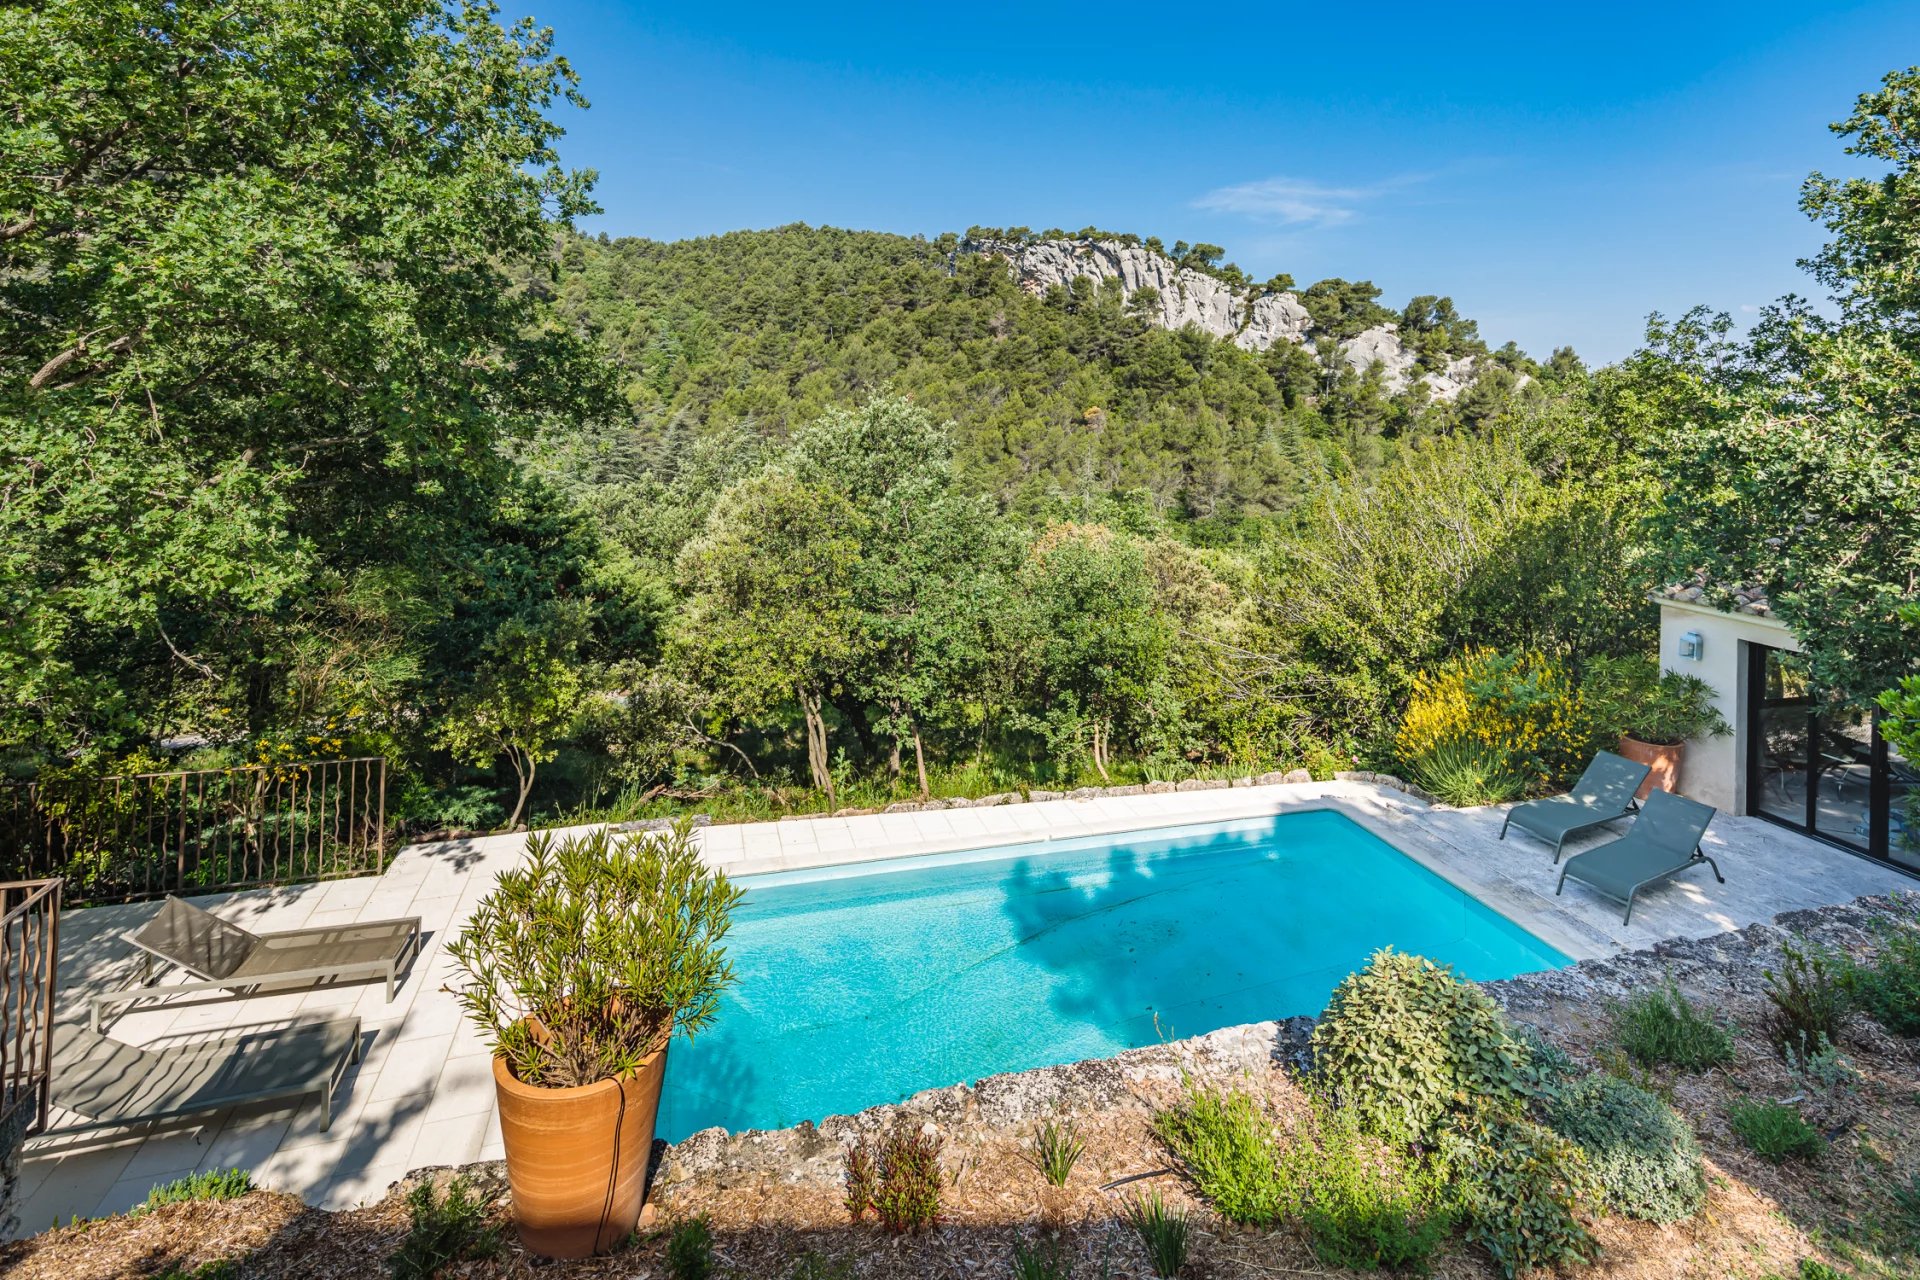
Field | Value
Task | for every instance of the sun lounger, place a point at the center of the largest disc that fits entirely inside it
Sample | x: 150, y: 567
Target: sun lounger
x: 1663, y: 842
x: 106, y: 1083
x: 1604, y: 794
x: 225, y: 957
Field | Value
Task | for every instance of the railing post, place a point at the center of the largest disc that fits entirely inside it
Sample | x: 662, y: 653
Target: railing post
x: 380, y: 823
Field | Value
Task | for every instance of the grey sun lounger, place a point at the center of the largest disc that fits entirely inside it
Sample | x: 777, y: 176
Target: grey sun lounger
x: 1604, y: 794
x: 224, y: 957
x: 107, y: 1083
x: 1663, y: 842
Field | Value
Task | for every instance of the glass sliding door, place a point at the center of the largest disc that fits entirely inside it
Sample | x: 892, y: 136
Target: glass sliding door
x: 1818, y: 764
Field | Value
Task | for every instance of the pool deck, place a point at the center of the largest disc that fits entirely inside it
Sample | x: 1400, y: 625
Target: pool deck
x: 423, y: 1094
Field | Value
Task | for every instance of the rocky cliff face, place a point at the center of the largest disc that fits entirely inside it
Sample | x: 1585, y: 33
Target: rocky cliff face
x: 1253, y: 319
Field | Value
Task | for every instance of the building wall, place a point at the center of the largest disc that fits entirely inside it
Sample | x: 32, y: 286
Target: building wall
x: 1714, y: 769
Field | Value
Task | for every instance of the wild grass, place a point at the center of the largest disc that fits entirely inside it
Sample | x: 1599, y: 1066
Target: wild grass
x: 213, y: 1184
x: 1163, y: 1233
x: 1661, y: 1027
x: 1045, y: 1258
x: 1468, y: 774
x: 1774, y: 1131
x: 1056, y: 1148
x: 690, y: 1250
x: 1808, y: 1001
x: 442, y: 1230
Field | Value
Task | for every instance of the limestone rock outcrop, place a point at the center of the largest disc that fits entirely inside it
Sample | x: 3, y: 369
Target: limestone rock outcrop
x: 1253, y: 319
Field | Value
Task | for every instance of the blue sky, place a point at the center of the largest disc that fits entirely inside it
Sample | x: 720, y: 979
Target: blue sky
x: 1560, y: 170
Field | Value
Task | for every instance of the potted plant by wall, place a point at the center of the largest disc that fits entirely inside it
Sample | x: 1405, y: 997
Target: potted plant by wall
x: 580, y: 967
x: 1653, y: 712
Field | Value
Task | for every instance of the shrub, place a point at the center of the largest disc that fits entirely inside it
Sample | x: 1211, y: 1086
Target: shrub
x: 1364, y: 1203
x: 213, y: 1184
x: 1227, y: 1146
x: 1823, y: 1071
x: 1467, y: 774
x: 1775, y: 1131
x: 860, y: 1178
x: 1632, y: 697
x: 1045, y: 1259
x: 1522, y: 705
x: 441, y: 1231
x: 1163, y: 1233
x: 1644, y: 1157
x: 900, y: 1181
x: 1888, y: 989
x: 1522, y: 1189
x: 1056, y: 1149
x: 1405, y: 1043
x: 594, y: 951
x: 1808, y: 1003
x: 690, y: 1250
x: 1661, y: 1027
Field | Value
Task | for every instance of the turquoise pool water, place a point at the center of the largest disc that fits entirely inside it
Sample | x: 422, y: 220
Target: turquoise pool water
x: 862, y: 985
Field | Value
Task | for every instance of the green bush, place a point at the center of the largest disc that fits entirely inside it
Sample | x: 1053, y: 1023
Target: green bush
x: 1809, y: 1003
x: 441, y: 1231
x: 588, y: 956
x: 690, y: 1250
x: 1632, y: 697
x: 1163, y: 1233
x: 1644, y: 1157
x: 1775, y: 1131
x: 906, y: 1196
x: 1365, y: 1204
x: 212, y: 1184
x: 1227, y: 1146
x: 1888, y: 988
x: 1405, y: 1044
x: 1661, y: 1027
x: 1467, y: 774
x: 1523, y: 1190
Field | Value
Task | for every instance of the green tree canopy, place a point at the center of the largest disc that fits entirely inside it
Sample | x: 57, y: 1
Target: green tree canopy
x: 255, y: 334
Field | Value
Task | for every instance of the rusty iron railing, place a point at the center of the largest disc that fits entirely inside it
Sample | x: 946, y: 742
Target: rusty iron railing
x: 29, y: 955
x: 122, y: 839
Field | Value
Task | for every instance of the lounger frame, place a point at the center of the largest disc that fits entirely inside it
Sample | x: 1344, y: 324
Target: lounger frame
x: 388, y: 969
x: 320, y: 1085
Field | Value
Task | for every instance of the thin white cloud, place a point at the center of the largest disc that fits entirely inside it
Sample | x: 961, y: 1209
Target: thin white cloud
x: 1297, y: 202
x: 1289, y: 201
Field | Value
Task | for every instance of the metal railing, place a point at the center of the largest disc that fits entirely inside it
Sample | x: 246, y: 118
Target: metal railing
x: 29, y: 954
x: 121, y: 839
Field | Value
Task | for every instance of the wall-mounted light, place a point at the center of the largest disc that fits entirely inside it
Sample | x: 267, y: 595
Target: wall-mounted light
x: 1691, y: 645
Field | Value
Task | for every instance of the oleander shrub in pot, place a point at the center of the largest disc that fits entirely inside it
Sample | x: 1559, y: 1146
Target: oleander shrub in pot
x: 1405, y: 1044
x: 1644, y: 1157
x: 1652, y: 712
x: 580, y: 966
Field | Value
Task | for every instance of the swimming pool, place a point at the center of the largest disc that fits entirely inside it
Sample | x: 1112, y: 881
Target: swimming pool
x: 861, y: 985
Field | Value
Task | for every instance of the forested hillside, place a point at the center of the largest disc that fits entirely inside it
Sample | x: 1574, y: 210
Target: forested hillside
x: 325, y: 433
x: 1071, y: 395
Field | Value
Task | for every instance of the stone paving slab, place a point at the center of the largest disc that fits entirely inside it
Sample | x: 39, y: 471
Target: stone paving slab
x: 423, y: 1094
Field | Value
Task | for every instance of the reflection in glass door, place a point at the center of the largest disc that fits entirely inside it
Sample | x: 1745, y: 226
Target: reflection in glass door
x: 1818, y: 764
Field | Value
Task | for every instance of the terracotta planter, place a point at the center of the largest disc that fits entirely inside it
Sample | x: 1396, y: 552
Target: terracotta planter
x: 1662, y: 758
x: 577, y: 1158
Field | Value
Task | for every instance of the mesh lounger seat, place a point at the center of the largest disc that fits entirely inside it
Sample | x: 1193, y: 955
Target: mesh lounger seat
x: 225, y: 957
x: 1604, y: 794
x: 1663, y: 842
x: 108, y: 1084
